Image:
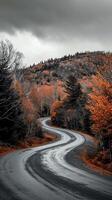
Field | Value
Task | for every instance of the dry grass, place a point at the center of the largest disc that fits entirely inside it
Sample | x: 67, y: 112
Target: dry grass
x: 103, y: 169
x: 30, y: 142
x: 92, y: 161
x: 96, y: 165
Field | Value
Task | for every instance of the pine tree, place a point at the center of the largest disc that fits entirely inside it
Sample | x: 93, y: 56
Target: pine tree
x: 73, y: 90
x: 12, y: 127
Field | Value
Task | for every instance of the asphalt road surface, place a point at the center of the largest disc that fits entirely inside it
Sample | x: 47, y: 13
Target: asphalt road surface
x: 45, y: 173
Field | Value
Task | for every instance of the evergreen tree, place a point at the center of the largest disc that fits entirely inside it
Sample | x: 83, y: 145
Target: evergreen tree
x: 12, y: 127
x: 73, y: 90
x: 76, y: 101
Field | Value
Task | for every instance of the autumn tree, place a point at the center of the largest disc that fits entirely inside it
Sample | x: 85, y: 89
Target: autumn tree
x: 42, y: 96
x: 57, y: 112
x: 101, y: 98
x: 35, y: 97
x: 30, y: 108
x: 100, y: 106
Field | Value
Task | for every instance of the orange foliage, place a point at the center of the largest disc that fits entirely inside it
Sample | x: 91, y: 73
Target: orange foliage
x: 102, y: 86
x: 41, y: 95
x: 18, y: 87
x: 50, y: 90
x: 30, y: 107
x: 46, y: 93
x: 35, y: 95
x: 55, y: 106
x: 46, y: 72
x: 86, y: 84
x: 29, y: 110
x: 100, y: 104
x: 27, y: 106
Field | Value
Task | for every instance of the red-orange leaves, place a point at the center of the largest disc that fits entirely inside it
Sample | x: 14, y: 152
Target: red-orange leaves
x: 29, y: 110
x: 18, y: 88
x: 100, y: 104
x: 55, y: 106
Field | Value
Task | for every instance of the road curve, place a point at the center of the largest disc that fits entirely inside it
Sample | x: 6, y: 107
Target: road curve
x: 43, y: 173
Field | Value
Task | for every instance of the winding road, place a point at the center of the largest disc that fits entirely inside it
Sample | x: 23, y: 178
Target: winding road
x: 45, y: 173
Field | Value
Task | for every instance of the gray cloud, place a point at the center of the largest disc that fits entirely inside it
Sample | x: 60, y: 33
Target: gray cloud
x: 61, y: 20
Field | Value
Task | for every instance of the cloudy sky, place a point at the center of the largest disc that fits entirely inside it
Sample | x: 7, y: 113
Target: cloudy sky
x: 51, y: 28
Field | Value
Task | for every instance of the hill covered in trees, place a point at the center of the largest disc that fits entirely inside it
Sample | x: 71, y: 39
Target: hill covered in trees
x: 80, y: 64
x: 77, y: 91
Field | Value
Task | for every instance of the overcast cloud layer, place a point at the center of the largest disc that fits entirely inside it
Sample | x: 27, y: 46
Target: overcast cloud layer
x: 65, y: 26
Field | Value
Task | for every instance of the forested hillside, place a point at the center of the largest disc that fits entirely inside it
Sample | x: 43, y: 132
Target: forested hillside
x: 77, y: 91
x: 82, y: 64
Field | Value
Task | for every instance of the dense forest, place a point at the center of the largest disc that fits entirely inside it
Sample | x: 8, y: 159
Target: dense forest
x: 76, y: 90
